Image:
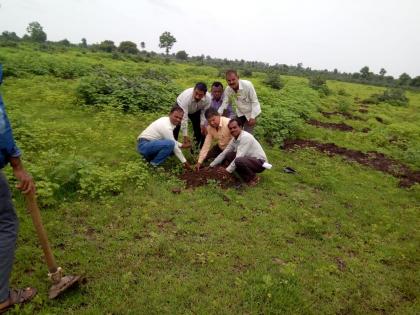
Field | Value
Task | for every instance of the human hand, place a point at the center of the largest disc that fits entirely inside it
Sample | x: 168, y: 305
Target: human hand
x: 197, y: 167
x: 26, y: 183
x: 203, y: 130
x: 252, y: 121
x: 187, y: 166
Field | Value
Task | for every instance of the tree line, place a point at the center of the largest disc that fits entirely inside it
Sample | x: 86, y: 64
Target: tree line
x: 36, y: 34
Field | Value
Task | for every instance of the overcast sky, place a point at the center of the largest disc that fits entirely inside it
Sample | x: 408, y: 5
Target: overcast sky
x: 321, y: 34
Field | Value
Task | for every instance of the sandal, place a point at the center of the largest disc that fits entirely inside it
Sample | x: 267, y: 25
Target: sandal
x: 16, y: 297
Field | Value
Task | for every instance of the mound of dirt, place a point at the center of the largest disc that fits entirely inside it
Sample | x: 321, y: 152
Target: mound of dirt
x: 340, y: 126
x: 373, y: 159
x: 195, y: 179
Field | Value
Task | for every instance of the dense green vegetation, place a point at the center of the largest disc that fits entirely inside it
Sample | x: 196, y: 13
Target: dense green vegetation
x: 335, y: 238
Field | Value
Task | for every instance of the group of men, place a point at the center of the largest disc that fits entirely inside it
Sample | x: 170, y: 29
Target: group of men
x: 213, y: 119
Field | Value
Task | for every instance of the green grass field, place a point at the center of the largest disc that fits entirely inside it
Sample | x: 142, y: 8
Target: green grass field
x: 334, y: 238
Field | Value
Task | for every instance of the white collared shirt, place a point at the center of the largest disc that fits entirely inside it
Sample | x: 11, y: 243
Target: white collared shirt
x: 245, y: 146
x: 160, y: 129
x: 190, y: 106
x: 245, y: 100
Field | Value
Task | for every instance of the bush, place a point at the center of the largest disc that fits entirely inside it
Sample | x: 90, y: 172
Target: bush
x: 273, y: 80
x: 247, y: 73
x: 394, y: 97
x: 278, y: 124
x: 320, y: 84
x: 128, y: 93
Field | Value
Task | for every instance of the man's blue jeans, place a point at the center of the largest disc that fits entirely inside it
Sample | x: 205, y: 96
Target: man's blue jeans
x: 8, y: 234
x: 155, y: 151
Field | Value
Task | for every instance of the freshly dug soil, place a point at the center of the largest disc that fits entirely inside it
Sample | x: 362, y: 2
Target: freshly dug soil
x: 347, y: 115
x: 373, y: 159
x: 340, y: 126
x: 195, y: 179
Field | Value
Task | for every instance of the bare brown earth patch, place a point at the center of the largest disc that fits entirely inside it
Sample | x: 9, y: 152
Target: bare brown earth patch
x: 195, y: 179
x: 373, y: 159
x: 334, y: 126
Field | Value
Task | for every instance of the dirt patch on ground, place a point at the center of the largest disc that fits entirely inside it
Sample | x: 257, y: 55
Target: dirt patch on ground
x: 377, y: 161
x: 200, y: 178
x: 340, y: 126
x: 346, y: 115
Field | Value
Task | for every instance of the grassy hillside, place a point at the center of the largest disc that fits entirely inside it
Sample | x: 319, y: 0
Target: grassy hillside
x: 334, y: 238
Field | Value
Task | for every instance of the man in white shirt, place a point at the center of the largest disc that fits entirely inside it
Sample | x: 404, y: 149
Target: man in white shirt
x: 156, y: 143
x: 194, y: 102
x: 241, y: 93
x: 243, y: 154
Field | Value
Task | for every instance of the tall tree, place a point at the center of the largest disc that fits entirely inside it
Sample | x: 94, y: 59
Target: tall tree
x: 166, y: 40
x: 6, y: 35
x: 107, y: 45
x: 128, y: 47
x: 404, y: 79
x: 182, y: 55
x: 382, y: 72
x: 364, y: 72
x: 36, y: 32
x: 143, y: 45
x: 83, y: 44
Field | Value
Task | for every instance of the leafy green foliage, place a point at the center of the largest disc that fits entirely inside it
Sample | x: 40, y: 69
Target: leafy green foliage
x: 273, y: 80
x: 130, y: 93
x: 320, y: 84
x: 166, y: 41
x: 36, y: 32
x: 128, y: 47
x: 394, y: 97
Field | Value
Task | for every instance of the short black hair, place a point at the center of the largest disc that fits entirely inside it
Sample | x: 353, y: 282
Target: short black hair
x: 232, y: 71
x: 176, y: 108
x: 217, y: 84
x: 238, y: 120
x: 210, y: 112
x: 200, y: 86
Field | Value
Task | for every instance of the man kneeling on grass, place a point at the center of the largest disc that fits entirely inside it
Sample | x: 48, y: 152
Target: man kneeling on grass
x: 156, y: 143
x: 243, y: 154
x: 217, y: 129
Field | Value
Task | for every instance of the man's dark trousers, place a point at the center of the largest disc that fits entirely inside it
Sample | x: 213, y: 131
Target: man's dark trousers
x: 8, y: 234
x: 195, y: 120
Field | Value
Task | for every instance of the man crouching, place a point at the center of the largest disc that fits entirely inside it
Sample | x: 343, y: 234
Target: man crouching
x: 156, y: 143
x: 243, y: 154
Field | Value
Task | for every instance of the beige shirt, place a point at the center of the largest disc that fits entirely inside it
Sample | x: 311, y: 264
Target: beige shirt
x: 221, y: 134
x: 160, y: 129
x: 245, y: 146
x: 190, y: 106
x: 245, y: 100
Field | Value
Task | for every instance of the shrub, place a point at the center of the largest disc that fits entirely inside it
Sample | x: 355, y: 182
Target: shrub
x: 273, y: 80
x: 278, y: 124
x: 320, y: 84
x: 247, y: 73
x: 128, y: 93
x: 394, y: 97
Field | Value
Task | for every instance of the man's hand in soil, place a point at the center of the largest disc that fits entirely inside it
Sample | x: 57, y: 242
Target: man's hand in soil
x: 197, y: 167
x: 187, y: 166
